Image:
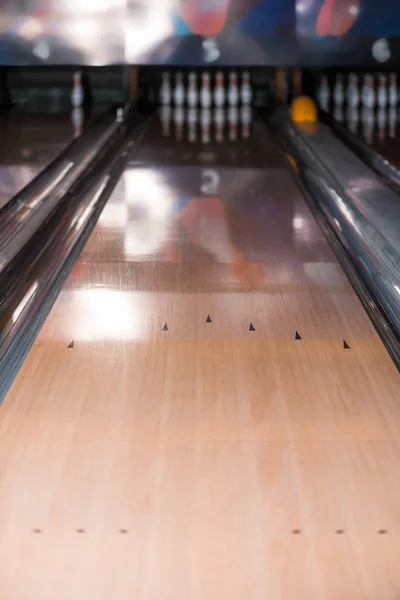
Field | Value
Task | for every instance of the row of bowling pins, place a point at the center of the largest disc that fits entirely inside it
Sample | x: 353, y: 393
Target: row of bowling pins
x: 206, y: 118
x: 191, y: 95
x: 387, y: 93
x: 384, y: 118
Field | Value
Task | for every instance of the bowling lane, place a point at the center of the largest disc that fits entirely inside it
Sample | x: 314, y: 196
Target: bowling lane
x: 28, y: 143
x: 378, y: 128
x: 386, y: 140
x: 168, y: 436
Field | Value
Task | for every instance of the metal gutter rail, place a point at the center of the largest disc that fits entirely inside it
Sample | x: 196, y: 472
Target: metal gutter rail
x: 37, y: 275
x: 372, y: 264
x: 23, y: 214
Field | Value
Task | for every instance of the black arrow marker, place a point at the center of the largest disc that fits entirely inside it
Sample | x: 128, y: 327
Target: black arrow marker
x: 297, y: 336
x: 345, y: 345
x: 71, y: 345
x: 252, y: 328
x: 165, y: 328
x: 208, y: 320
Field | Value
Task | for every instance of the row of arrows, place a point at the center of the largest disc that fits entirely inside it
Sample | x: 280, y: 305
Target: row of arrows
x: 251, y: 328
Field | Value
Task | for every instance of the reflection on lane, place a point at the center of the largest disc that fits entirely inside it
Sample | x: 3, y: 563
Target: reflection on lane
x: 378, y: 128
x: 149, y: 205
x: 168, y: 235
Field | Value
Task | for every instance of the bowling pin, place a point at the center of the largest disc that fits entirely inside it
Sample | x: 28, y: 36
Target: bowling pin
x: 233, y: 118
x: 353, y: 118
x: 219, y: 91
x: 205, y: 125
x: 382, y: 92
x: 393, y: 95
x: 192, y: 124
x: 165, y: 91
x: 338, y: 113
x: 219, y: 120
x: 338, y: 91
x: 192, y: 93
x: 179, y: 120
x: 205, y: 93
x: 392, y: 122
x: 368, y: 92
x: 120, y: 115
x: 246, y: 93
x: 353, y: 94
x: 179, y: 90
x: 233, y: 90
x: 77, y: 91
x: 324, y: 94
x: 77, y: 118
x: 368, y: 122
x: 165, y: 118
x: 381, y: 120
x: 245, y: 118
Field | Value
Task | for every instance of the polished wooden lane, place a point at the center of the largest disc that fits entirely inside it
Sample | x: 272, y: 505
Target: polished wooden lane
x: 203, y: 461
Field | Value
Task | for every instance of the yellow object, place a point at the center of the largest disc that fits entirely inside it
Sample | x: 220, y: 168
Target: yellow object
x: 293, y: 163
x: 304, y: 110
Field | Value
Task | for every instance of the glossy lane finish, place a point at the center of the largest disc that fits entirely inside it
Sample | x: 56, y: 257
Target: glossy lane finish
x: 380, y: 130
x: 254, y: 151
x: 27, y: 145
x: 205, y: 461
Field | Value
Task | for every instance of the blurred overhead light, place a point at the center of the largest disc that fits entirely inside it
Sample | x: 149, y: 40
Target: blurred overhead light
x: 42, y: 50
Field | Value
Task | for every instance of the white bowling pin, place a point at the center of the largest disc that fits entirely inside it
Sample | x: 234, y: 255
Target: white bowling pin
x: 219, y: 90
x: 165, y: 90
x: 368, y: 122
x: 392, y: 122
x: 233, y: 118
x: 205, y: 125
x: 179, y: 120
x: 77, y: 96
x: 353, y: 94
x: 353, y: 118
x: 165, y: 118
x: 382, y: 92
x: 205, y: 93
x: 179, y: 90
x: 245, y: 118
x: 120, y: 115
x: 246, y: 93
x: 192, y: 93
x: 338, y: 113
x: 338, y: 91
x: 219, y: 120
x: 368, y: 92
x: 233, y: 90
x: 77, y: 118
x: 393, y: 95
x: 381, y: 120
x: 192, y: 124
x: 324, y: 94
